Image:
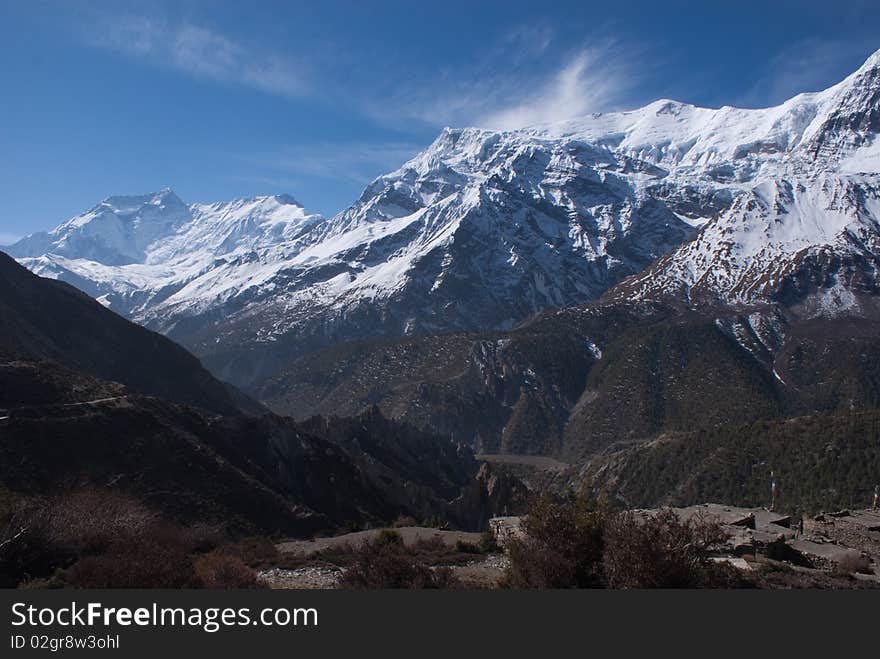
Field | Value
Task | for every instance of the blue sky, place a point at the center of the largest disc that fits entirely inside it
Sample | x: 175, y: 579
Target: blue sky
x: 221, y: 100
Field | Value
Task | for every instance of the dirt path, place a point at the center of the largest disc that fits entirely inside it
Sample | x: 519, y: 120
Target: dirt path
x: 31, y: 408
x: 97, y: 401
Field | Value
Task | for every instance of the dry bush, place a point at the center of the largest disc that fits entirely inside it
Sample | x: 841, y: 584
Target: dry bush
x: 203, y: 537
x: 404, y: 520
x: 97, y: 538
x: 467, y: 547
x: 488, y: 542
x: 89, y: 520
x: 219, y: 570
x: 341, y: 554
x: 40, y: 535
x: 149, y: 564
x: 575, y: 544
x: 664, y: 551
x: 432, y: 545
x: 533, y: 564
x: 853, y: 563
x: 254, y: 551
x: 561, y: 546
x: 159, y: 555
x: 26, y: 550
x: 385, y: 563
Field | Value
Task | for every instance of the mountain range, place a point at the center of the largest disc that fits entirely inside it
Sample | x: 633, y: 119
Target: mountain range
x: 564, y: 289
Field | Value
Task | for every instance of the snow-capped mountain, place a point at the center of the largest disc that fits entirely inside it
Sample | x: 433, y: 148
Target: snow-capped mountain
x: 811, y: 244
x: 484, y: 228
x: 132, y: 253
x: 805, y: 231
x: 117, y: 231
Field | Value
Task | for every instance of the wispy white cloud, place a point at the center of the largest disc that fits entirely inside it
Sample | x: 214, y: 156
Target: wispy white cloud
x: 522, y: 81
x: 589, y: 81
x: 200, y: 52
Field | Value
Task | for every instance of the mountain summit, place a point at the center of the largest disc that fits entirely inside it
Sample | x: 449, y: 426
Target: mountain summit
x: 117, y: 231
x: 484, y: 228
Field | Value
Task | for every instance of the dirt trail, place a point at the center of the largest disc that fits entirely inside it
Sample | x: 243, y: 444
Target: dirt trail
x: 97, y: 401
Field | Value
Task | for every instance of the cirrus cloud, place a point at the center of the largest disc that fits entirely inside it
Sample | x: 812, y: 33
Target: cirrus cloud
x: 202, y: 53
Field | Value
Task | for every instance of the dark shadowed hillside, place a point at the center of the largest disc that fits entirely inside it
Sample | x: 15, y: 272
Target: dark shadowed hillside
x: 45, y: 319
x: 61, y: 430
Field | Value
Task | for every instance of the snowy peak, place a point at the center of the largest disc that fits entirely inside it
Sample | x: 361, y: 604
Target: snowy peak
x: 808, y: 132
x: 871, y: 64
x: 803, y: 230
x: 133, y: 252
x: 137, y: 210
x: 130, y: 229
x: 117, y: 231
x: 848, y: 132
x: 165, y: 198
x: 241, y: 224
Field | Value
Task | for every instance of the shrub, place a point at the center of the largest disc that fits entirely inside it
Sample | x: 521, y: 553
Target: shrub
x: 488, y: 543
x: 467, y: 547
x: 149, y: 564
x: 26, y: 547
x: 384, y: 562
x: 89, y: 520
x: 852, y: 563
x: 561, y: 546
x: 485, y: 545
x: 39, y: 535
x: 204, y: 537
x: 255, y: 551
x: 219, y: 570
x: 96, y: 538
x: 663, y: 551
x: 572, y: 543
x: 433, y: 544
x: 404, y: 520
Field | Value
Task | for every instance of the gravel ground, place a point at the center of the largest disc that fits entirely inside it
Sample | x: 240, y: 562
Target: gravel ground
x: 304, y: 578
x: 480, y: 573
x: 483, y: 573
